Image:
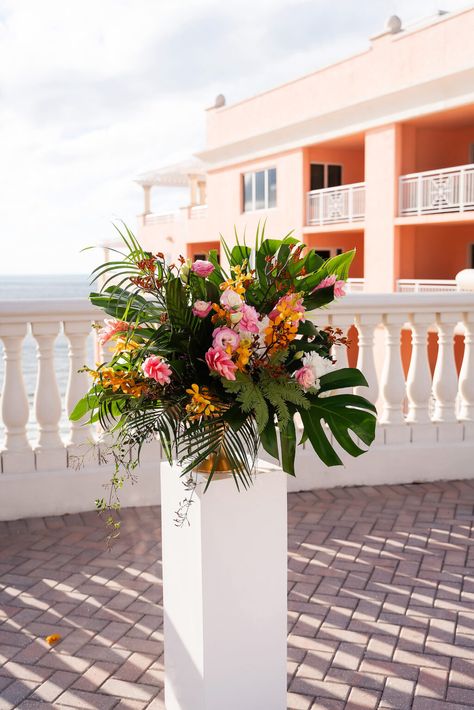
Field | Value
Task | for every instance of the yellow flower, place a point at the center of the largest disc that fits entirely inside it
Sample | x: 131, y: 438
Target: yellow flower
x: 201, y: 403
x: 124, y: 345
x: 242, y: 279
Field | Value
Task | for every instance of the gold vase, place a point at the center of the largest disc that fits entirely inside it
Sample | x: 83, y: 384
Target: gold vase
x: 221, y: 466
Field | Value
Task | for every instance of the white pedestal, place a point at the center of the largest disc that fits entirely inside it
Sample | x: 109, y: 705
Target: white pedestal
x: 225, y: 593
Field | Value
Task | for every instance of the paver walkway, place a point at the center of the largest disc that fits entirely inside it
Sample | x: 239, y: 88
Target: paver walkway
x: 381, y: 604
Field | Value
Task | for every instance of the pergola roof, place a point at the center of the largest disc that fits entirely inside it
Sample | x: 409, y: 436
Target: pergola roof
x: 177, y: 175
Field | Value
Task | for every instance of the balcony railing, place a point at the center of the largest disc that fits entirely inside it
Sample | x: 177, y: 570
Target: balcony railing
x: 198, y: 212
x: 434, y: 191
x: 336, y: 204
x: 48, y: 464
x: 427, y: 286
x: 150, y: 219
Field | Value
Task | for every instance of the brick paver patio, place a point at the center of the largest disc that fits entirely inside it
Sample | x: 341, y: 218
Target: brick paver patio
x: 381, y: 605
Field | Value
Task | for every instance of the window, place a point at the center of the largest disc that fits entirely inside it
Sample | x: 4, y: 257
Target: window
x: 323, y: 175
x: 471, y: 256
x: 203, y: 257
x: 329, y: 252
x: 259, y: 190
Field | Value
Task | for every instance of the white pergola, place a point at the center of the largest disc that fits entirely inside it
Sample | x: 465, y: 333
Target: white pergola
x: 189, y: 173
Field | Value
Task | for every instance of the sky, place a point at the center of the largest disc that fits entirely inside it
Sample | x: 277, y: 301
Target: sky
x: 92, y: 93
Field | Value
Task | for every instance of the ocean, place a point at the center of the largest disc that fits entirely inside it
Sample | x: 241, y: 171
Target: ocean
x: 15, y: 288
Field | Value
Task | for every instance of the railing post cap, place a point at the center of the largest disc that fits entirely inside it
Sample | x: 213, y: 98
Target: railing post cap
x: 465, y: 280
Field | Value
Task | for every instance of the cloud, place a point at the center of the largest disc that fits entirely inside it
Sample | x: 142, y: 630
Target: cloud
x: 93, y: 93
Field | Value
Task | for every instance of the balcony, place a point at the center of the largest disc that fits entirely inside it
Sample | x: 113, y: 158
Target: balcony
x: 151, y: 219
x: 336, y: 204
x: 437, y: 191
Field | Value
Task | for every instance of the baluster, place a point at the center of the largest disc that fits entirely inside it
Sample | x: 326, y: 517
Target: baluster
x: 445, y: 379
x: 339, y: 352
x: 50, y: 451
x: 17, y: 456
x: 466, y: 377
x: 366, y: 325
x: 81, y: 437
x: 419, y: 381
x: 393, y: 382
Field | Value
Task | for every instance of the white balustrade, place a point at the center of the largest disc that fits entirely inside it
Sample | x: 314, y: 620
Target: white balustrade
x: 336, y: 204
x: 445, y: 378
x: 466, y: 377
x: 49, y: 451
x: 150, y: 219
x: 419, y: 380
x: 393, y: 388
x: 198, y: 212
x: 366, y: 324
x: 434, y: 191
x: 46, y: 319
x: 17, y: 454
x: 378, y: 318
x: 427, y: 285
x: 78, y: 384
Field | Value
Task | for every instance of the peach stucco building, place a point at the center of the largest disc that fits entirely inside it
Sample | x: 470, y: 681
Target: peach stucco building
x: 375, y: 152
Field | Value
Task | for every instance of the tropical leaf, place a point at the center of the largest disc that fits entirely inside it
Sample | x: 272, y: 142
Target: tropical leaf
x: 343, y: 413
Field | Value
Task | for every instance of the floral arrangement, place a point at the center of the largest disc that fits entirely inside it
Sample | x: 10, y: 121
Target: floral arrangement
x: 218, y: 361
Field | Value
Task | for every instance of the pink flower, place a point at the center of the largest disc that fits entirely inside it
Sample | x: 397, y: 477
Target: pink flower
x: 157, y: 369
x: 231, y: 301
x: 218, y: 360
x: 201, y: 309
x: 250, y: 319
x: 224, y: 338
x: 332, y: 281
x: 202, y: 268
x: 112, y: 327
x: 305, y: 377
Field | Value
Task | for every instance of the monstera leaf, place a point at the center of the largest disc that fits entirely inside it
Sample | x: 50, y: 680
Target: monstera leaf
x: 343, y: 413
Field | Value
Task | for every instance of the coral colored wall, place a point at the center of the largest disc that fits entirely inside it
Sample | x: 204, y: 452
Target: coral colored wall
x: 437, y: 251
x: 442, y: 148
x: 225, y: 198
x: 344, y: 241
x: 434, y: 148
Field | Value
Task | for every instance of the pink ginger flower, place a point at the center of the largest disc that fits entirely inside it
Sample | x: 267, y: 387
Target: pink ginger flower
x: 305, y: 377
x: 157, y: 369
x: 218, y: 361
x: 225, y: 338
x: 332, y: 281
x: 250, y: 319
x: 202, y: 268
x: 201, y: 309
x: 112, y: 327
x: 231, y: 301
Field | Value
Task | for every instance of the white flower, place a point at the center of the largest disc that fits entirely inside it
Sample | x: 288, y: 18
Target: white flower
x: 231, y: 301
x: 319, y: 365
x: 184, y: 271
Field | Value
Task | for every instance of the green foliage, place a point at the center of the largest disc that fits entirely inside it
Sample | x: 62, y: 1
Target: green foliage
x: 281, y: 393
x: 250, y: 396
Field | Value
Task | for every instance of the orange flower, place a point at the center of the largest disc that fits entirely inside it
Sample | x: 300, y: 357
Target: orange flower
x: 119, y: 380
x: 201, y: 403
